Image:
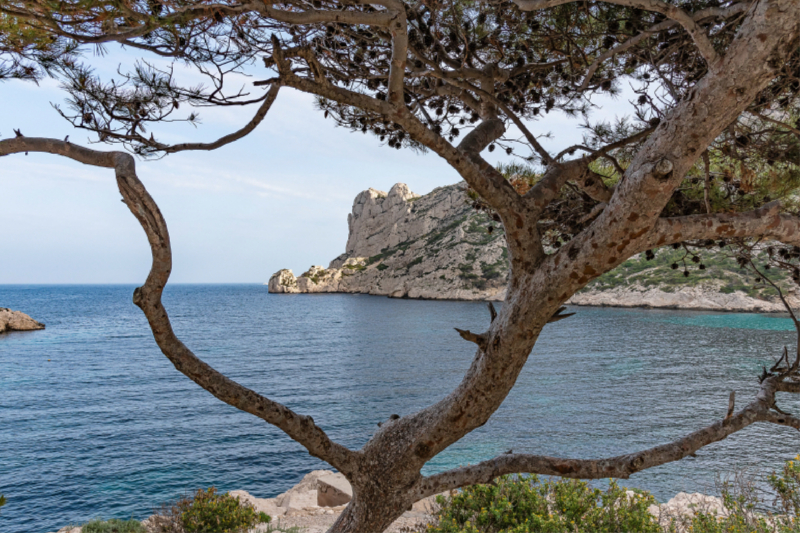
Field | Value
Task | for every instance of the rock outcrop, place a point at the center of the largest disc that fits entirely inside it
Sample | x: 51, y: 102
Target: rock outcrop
x: 17, y: 321
x: 403, y: 245
x: 436, y: 246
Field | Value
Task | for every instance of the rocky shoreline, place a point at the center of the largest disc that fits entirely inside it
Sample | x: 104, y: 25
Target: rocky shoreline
x: 689, y: 298
x: 314, y: 504
x: 403, y: 245
x: 17, y: 321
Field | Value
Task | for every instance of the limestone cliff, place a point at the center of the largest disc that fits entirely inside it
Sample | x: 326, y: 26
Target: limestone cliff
x: 436, y: 246
x: 404, y: 245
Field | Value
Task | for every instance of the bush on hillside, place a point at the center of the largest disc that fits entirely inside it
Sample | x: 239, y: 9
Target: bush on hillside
x: 525, y: 504
x: 207, y: 511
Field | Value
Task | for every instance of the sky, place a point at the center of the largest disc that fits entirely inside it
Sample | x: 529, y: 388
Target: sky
x: 278, y: 198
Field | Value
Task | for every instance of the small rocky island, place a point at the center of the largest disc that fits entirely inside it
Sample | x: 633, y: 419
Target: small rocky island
x: 17, y: 321
x: 437, y: 246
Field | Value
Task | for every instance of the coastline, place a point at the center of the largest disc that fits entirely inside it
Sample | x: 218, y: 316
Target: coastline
x: 688, y: 299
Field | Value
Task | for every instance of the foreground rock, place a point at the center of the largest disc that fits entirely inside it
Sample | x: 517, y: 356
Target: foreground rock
x: 303, y: 506
x: 17, y: 321
x: 436, y: 246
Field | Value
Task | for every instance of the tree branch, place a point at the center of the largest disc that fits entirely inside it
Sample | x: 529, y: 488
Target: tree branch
x: 621, y: 466
x: 148, y: 297
x: 235, y: 136
x: 670, y: 11
x: 765, y: 221
x: 549, y: 187
x: 661, y: 26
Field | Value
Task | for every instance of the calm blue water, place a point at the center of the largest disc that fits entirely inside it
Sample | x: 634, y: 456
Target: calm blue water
x: 94, y: 421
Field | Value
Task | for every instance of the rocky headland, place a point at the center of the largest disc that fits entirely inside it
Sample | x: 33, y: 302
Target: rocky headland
x: 436, y: 246
x: 409, y: 246
x: 17, y: 321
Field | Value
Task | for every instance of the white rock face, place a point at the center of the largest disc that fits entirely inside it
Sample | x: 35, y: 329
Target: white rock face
x: 333, y: 490
x: 406, y: 246
x: 17, y: 321
x: 283, y: 281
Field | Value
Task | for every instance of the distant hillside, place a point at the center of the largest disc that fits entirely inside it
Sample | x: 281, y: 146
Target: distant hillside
x: 436, y: 246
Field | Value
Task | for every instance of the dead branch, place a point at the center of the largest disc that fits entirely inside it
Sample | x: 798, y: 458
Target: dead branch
x: 622, y: 466
x: 299, y: 427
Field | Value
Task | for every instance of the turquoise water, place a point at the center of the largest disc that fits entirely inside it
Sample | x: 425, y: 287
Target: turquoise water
x: 94, y: 421
x: 736, y: 321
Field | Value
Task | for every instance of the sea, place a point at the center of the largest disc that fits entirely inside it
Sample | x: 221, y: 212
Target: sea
x: 96, y: 422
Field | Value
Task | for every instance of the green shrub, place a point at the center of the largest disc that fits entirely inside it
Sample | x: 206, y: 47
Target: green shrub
x: 210, y: 512
x: 744, y: 504
x: 206, y: 512
x: 114, y: 525
x: 525, y: 504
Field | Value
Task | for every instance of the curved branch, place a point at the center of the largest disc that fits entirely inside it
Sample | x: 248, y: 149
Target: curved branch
x: 670, y: 11
x: 235, y: 136
x: 148, y: 297
x: 621, y: 466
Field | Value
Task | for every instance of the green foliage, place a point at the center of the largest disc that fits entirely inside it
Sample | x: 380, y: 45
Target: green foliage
x: 210, y: 512
x: 381, y: 267
x: 277, y: 528
x: 526, y: 505
x: 436, y: 236
x: 787, y: 486
x: 742, y: 502
x: 415, y: 262
x: 509, y: 170
x: 115, y: 525
x: 719, y: 268
x: 2, y: 500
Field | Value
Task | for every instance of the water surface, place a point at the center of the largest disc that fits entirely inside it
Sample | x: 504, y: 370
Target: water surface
x: 94, y: 420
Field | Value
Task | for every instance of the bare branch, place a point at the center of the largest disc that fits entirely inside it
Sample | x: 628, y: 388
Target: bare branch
x: 559, y: 315
x: 731, y: 405
x: 621, y: 466
x: 549, y: 187
x: 467, y: 335
x: 227, y: 139
x: 397, y: 68
x: 148, y: 297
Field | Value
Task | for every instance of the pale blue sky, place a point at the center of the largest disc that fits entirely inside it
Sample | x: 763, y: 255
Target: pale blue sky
x: 278, y: 198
